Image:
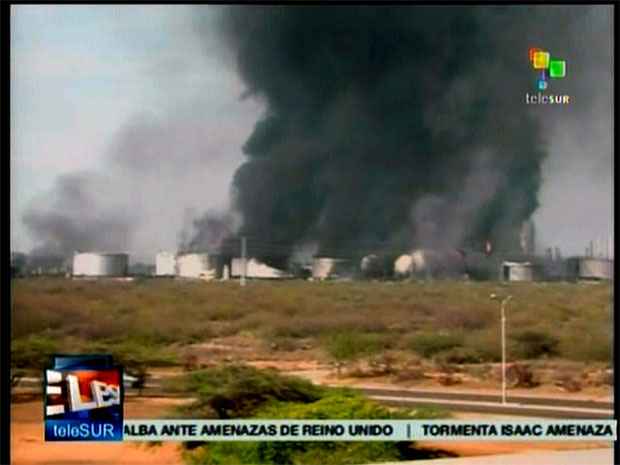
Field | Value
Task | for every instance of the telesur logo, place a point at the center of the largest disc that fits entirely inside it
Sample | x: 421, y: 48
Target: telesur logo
x: 102, y: 394
x: 548, y: 69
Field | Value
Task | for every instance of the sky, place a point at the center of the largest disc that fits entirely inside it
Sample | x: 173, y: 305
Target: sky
x: 83, y: 76
x: 96, y: 88
x: 577, y: 200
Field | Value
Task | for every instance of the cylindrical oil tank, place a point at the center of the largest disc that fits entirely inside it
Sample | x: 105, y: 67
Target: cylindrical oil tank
x: 403, y: 266
x: 165, y: 264
x: 595, y: 268
x: 194, y: 265
x: 516, y: 271
x: 325, y: 268
x: 100, y: 264
x: 371, y: 266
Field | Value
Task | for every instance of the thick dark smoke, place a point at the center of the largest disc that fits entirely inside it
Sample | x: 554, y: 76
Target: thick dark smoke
x: 385, y: 128
x: 391, y: 127
x: 208, y: 233
x: 74, y: 218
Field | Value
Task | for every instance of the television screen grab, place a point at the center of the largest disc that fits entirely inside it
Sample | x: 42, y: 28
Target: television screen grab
x: 313, y: 234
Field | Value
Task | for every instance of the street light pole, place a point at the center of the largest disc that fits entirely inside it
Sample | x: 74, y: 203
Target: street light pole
x: 244, y: 261
x: 503, y: 335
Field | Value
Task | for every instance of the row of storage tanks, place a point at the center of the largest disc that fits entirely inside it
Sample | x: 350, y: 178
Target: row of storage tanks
x: 421, y: 263
x: 212, y: 266
x: 190, y: 265
x: 451, y: 264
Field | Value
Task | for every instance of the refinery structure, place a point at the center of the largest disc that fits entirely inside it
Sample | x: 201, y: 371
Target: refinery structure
x: 238, y: 260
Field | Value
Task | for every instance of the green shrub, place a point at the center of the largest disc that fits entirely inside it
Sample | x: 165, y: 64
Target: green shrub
x: 336, y: 404
x: 531, y: 343
x: 350, y: 345
x: 33, y: 352
x: 459, y: 355
x: 238, y: 391
x: 486, y: 343
x: 134, y: 354
x: 427, y: 344
x: 167, y: 314
x: 588, y: 342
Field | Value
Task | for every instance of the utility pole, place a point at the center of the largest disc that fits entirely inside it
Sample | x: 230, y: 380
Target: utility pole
x: 504, y: 301
x: 244, y: 260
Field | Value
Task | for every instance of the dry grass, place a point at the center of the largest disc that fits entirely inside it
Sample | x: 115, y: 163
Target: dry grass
x: 168, y: 313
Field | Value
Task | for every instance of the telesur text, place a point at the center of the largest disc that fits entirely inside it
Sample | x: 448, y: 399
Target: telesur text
x: 544, y: 99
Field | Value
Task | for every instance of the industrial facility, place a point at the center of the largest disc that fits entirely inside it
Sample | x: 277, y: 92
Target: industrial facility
x: 519, y: 271
x: 420, y: 264
x: 591, y: 268
x: 209, y: 267
x: 100, y: 265
x: 234, y: 262
x: 197, y: 266
x: 331, y: 268
x: 165, y: 264
x: 256, y: 270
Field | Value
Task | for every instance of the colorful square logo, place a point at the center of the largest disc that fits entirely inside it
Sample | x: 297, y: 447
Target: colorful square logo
x: 541, y: 60
x: 532, y: 51
x: 83, y: 399
x: 548, y: 67
x: 557, y: 69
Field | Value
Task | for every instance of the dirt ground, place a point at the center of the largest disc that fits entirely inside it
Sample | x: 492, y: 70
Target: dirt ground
x: 320, y: 372
x: 28, y: 447
x: 309, y: 363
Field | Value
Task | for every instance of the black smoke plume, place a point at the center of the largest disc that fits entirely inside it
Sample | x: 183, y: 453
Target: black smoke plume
x: 211, y: 232
x: 391, y: 127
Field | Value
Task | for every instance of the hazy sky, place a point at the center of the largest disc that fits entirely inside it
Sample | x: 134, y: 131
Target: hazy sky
x: 90, y: 82
x: 83, y: 76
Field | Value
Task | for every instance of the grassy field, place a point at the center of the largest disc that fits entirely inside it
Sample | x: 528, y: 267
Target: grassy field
x: 151, y: 320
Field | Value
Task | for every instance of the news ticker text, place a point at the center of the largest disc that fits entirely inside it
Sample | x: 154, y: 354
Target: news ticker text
x: 366, y: 430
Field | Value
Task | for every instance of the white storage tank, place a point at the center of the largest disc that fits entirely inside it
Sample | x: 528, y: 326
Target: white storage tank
x: 517, y: 271
x: 595, y: 268
x: 403, y: 266
x: 195, y: 265
x: 165, y: 264
x: 97, y: 264
x: 256, y: 269
x: 326, y: 268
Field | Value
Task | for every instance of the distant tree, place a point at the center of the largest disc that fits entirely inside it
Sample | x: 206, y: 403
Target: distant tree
x: 18, y: 263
